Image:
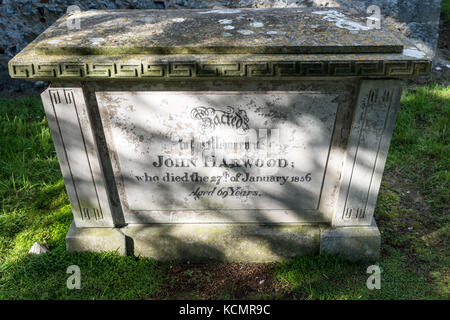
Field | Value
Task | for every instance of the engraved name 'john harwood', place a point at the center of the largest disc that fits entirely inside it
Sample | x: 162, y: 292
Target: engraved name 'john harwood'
x: 210, y: 118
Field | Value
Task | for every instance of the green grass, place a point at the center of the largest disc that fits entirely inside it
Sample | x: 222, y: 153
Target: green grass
x: 414, y: 194
x: 420, y: 145
x: 331, y: 277
x: 446, y: 10
x: 34, y: 207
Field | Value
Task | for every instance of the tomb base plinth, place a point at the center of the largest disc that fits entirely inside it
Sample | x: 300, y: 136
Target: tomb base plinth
x: 202, y: 243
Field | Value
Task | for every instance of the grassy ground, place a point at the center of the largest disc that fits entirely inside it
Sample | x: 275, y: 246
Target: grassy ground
x: 446, y: 10
x: 412, y: 213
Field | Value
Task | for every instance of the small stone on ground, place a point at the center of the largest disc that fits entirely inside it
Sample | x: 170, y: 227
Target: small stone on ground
x: 38, y: 248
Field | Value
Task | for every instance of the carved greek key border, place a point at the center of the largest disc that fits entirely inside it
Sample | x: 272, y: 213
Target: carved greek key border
x: 164, y: 70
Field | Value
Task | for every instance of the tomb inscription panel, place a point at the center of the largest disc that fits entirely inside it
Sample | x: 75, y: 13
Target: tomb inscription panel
x: 264, y: 153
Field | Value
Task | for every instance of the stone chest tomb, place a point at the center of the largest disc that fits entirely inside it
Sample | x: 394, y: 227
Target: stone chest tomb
x: 232, y: 134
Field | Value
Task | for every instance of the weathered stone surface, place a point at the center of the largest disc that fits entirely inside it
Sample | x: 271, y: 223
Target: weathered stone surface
x: 76, y: 145
x: 165, y: 50
x: 21, y: 21
x: 202, y: 243
x: 418, y: 20
x: 348, y: 187
x: 254, y: 31
x: 171, y: 157
x: 354, y: 243
x: 370, y: 136
x: 222, y: 242
x: 267, y: 150
x: 96, y: 240
x: 30, y: 66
